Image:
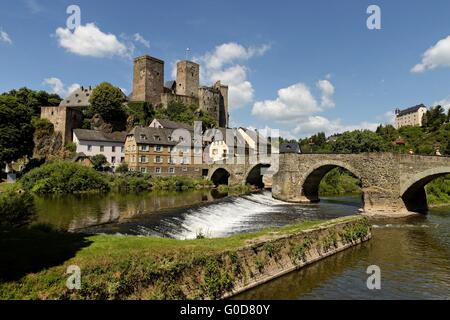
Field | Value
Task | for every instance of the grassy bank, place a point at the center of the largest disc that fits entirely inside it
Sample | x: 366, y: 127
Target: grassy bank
x: 34, y: 263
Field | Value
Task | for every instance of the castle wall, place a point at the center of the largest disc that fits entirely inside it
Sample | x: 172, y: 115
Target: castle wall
x: 209, y: 101
x: 148, y: 79
x: 169, y: 97
x: 64, y: 120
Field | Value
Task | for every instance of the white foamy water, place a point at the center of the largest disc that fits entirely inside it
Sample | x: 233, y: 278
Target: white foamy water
x: 216, y: 220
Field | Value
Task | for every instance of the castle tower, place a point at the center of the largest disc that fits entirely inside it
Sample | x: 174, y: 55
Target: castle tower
x: 223, y: 106
x: 148, y: 79
x: 188, y: 78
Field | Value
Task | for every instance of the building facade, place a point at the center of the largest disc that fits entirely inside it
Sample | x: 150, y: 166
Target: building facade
x: 148, y: 85
x: 111, y: 145
x: 410, y: 117
x: 162, y: 152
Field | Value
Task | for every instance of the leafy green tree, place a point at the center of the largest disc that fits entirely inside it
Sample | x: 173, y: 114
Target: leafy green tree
x: 16, y: 130
x: 108, y: 101
x: 18, y: 108
x: 99, y: 162
x: 141, y: 112
x: 16, y: 209
x: 434, y: 118
x: 359, y: 141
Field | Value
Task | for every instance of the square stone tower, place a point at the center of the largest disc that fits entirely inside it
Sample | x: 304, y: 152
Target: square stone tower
x: 188, y: 78
x: 148, y: 79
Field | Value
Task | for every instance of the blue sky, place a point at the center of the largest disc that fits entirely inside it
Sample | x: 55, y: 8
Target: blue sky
x: 298, y: 66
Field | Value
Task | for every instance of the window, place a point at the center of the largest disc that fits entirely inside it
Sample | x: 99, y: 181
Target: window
x: 102, y: 148
x: 122, y: 149
x: 143, y: 159
x: 113, y: 149
x: 157, y: 170
x: 158, y: 148
x: 185, y: 169
x: 122, y: 159
x: 158, y: 159
x: 143, y: 137
x: 143, y: 147
x: 113, y: 159
x: 171, y: 170
x: 144, y: 170
x: 89, y: 147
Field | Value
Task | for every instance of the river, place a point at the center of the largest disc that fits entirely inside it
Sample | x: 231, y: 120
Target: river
x: 413, y: 253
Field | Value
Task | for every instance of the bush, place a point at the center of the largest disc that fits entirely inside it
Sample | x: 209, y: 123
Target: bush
x: 178, y: 183
x: 64, y: 177
x: 131, y: 181
x: 16, y: 209
x: 122, y: 168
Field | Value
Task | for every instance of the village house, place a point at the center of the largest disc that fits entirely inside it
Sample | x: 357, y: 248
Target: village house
x: 111, y: 145
x: 163, y: 152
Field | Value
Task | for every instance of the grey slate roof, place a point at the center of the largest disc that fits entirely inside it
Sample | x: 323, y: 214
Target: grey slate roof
x: 169, y: 124
x: 290, y: 147
x: 78, y: 98
x: 147, y: 135
x: 410, y: 110
x: 93, y: 135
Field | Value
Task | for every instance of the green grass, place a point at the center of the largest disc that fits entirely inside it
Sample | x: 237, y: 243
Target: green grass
x: 34, y: 261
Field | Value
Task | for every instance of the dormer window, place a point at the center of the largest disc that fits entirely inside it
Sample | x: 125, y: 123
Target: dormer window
x: 158, y: 138
x: 143, y: 137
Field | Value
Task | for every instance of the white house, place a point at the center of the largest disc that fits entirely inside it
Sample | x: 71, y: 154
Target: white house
x: 111, y: 145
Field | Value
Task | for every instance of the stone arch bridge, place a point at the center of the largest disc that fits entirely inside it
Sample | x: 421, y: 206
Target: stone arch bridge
x: 391, y: 183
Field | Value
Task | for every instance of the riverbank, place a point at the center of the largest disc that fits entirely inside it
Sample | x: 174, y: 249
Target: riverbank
x: 117, y: 267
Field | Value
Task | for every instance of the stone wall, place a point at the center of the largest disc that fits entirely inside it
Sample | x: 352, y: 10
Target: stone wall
x: 168, y: 97
x: 64, y: 120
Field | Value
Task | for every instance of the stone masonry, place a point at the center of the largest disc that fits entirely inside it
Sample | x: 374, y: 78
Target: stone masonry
x: 392, y: 184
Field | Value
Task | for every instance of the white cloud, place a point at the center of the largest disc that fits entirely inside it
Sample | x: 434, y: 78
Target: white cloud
x: 327, y: 90
x: 387, y: 117
x: 59, y: 88
x: 33, y: 6
x: 225, y: 63
x: 295, y: 102
x: 445, y: 103
x: 4, y: 37
x: 231, y: 52
x: 314, y: 124
x: 140, y: 39
x: 436, y: 56
x: 89, y: 40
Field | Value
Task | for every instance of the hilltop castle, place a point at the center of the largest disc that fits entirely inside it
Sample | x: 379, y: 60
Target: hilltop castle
x: 149, y: 86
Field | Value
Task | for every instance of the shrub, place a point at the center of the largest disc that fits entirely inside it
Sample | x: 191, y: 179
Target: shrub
x: 64, y: 177
x: 16, y: 209
x: 131, y: 181
x: 123, y: 168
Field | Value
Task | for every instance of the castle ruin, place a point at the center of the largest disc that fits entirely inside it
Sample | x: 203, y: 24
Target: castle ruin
x: 149, y: 86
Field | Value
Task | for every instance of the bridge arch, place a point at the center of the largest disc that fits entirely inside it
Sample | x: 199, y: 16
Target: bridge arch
x: 220, y: 176
x: 254, y: 176
x: 413, y: 190
x: 313, y: 177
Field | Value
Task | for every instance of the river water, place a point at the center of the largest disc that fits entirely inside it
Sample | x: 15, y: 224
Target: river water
x: 413, y: 254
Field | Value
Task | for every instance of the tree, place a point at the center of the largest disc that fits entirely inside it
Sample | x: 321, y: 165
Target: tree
x: 18, y: 108
x: 359, y: 141
x: 434, y: 118
x: 141, y: 112
x: 16, y: 130
x: 16, y: 209
x: 99, y: 162
x: 107, y: 101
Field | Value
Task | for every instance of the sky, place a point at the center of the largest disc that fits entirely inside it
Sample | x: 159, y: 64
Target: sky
x: 297, y: 66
